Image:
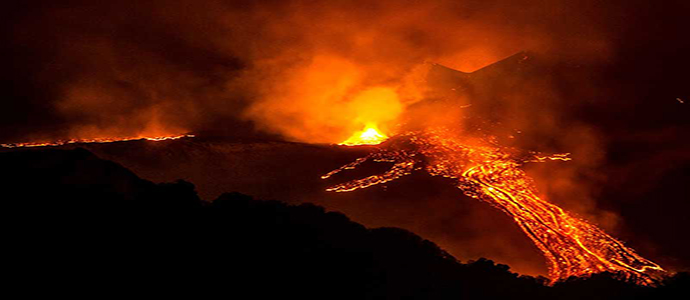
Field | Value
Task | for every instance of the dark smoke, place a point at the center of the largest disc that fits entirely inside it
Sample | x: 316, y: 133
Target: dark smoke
x: 85, y: 69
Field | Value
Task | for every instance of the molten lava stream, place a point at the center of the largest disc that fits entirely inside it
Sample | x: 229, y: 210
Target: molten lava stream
x: 571, y: 246
x: 96, y: 140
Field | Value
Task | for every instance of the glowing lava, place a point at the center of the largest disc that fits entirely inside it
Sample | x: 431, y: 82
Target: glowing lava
x: 485, y: 171
x: 369, y: 136
x: 95, y: 140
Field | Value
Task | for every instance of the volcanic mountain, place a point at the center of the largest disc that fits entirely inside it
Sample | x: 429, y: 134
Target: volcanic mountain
x: 513, y: 100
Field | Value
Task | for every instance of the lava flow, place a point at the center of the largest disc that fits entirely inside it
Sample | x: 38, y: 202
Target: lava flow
x: 488, y: 172
x: 95, y: 140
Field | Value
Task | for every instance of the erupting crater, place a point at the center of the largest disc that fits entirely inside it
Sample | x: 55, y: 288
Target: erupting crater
x: 370, y: 135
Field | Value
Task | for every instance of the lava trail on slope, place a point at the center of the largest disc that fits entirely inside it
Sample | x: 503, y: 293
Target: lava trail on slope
x: 486, y: 171
x: 95, y: 141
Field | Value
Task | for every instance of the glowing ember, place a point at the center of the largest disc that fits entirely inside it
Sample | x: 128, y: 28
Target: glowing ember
x: 492, y: 174
x: 96, y: 140
x: 369, y: 136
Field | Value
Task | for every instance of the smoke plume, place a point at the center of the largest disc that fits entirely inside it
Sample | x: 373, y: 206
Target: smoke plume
x: 311, y: 71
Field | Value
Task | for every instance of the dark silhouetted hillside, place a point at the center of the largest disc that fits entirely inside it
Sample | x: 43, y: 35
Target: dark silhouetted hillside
x: 78, y: 225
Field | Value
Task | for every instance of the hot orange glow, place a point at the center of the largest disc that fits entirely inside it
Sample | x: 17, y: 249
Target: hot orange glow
x: 95, y: 140
x: 485, y: 171
x: 369, y: 136
x: 325, y: 101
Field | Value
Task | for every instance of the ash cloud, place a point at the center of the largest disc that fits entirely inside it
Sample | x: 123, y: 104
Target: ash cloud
x: 290, y: 68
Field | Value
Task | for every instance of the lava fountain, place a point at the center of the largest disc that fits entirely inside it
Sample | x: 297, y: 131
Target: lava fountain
x: 486, y: 171
x: 370, y: 135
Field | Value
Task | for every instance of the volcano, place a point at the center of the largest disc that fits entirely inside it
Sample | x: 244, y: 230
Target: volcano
x: 429, y: 206
x: 347, y: 149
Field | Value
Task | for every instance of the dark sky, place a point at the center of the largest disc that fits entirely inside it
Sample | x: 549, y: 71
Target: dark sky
x: 85, y: 68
